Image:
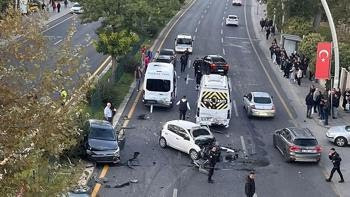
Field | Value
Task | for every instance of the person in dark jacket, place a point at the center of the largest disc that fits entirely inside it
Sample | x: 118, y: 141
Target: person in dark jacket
x: 183, y: 107
x: 267, y: 32
x: 336, y: 159
x: 309, y: 103
x: 198, y: 78
x: 346, y: 99
x: 213, y: 157
x: 196, y: 65
x: 183, y: 61
x: 262, y: 24
x: 326, y: 110
x: 335, y: 105
x: 250, y: 185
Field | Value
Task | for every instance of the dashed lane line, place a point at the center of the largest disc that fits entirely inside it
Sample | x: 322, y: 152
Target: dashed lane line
x: 196, y: 30
x: 55, y: 25
x: 56, y: 43
x: 222, y: 32
x: 222, y: 40
x: 235, y: 107
x: 175, y: 192
x: 223, y: 51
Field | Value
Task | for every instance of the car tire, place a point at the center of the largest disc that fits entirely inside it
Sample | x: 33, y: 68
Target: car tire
x: 162, y: 142
x: 340, y: 141
x: 194, y: 154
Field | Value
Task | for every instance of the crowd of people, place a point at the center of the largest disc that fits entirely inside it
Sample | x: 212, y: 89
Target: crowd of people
x: 268, y: 26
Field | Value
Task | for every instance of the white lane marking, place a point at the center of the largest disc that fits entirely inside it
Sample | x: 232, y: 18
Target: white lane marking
x: 205, y: 11
x: 222, y: 32
x: 187, y: 79
x: 226, y: 7
x: 224, y: 12
x: 55, y: 25
x: 235, y: 107
x: 90, y: 43
x: 222, y: 24
x: 265, y: 70
x: 222, y: 40
x: 189, y: 63
x: 202, y: 16
x: 196, y: 30
x: 194, y: 37
x: 243, y: 145
x: 57, y: 42
x: 223, y: 51
x: 175, y: 192
x: 199, y: 22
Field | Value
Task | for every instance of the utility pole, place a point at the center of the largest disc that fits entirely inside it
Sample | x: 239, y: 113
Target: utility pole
x: 274, y: 15
x: 335, y: 42
x: 282, y: 1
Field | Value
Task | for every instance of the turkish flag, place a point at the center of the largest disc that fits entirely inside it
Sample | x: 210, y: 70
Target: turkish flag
x: 323, y: 60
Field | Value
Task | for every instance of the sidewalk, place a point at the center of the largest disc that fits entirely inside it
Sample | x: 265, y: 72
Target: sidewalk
x: 296, y: 95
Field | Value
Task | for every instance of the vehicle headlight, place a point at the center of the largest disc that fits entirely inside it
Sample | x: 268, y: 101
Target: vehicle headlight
x: 116, y: 153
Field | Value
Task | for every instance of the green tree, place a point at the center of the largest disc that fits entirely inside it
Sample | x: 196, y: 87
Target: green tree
x: 298, y: 26
x: 35, y: 136
x: 115, y: 44
x: 344, y: 52
x: 308, y: 47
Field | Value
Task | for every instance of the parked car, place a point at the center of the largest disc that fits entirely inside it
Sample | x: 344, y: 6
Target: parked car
x: 165, y: 59
x: 216, y: 64
x: 237, y: 2
x: 259, y: 104
x: 297, y: 144
x: 101, y: 143
x: 76, y: 9
x: 232, y: 20
x: 168, y: 53
x: 340, y: 135
x: 185, y: 136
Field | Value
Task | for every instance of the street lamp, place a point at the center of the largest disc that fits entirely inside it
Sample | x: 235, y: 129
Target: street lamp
x: 335, y: 42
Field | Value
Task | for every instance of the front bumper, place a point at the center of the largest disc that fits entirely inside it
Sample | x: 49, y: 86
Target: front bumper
x: 209, y: 121
x: 263, y: 113
x: 104, y: 158
x: 330, y: 138
x: 182, y: 50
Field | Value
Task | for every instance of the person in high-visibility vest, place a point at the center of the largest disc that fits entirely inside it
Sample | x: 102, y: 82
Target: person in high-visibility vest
x: 64, y: 95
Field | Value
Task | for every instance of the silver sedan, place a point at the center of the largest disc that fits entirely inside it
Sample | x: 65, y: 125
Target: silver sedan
x: 340, y: 135
x: 259, y: 104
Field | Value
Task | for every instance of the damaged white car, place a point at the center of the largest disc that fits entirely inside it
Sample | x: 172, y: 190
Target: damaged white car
x: 185, y: 136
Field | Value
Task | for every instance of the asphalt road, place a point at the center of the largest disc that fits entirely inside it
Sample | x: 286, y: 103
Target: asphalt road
x: 84, y: 35
x: 166, y: 172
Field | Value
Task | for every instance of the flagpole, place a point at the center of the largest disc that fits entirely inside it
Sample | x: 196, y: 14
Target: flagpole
x: 335, y: 42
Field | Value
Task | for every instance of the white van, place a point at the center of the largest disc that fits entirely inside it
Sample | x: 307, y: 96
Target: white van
x: 159, y: 87
x: 214, y: 101
x: 183, y: 42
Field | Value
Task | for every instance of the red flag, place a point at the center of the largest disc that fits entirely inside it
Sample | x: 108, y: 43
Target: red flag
x: 323, y: 59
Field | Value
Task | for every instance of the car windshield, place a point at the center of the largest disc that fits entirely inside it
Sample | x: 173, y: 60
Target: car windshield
x: 232, y: 17
x: 305, y: 142
x: 218, y: 60
x: 76, y: 5
x: 166, y: 52
x: 163, y: 60
x: 199, y: 132
x: 262, y: 100
x: 184, y: 41
x: 158, y: 85
x: 102, y: 133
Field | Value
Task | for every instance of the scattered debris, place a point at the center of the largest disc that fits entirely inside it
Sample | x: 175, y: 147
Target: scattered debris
x: 143, y: 117
x: 133, y: 161
x: 122, y: 184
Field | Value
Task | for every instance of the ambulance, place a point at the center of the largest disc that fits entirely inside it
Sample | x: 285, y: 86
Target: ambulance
x: 214, y: 101
x: 159, y: 87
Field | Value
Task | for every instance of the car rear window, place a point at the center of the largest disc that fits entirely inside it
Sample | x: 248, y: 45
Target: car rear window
x: 232, y: 17
x: 262, y: 100
x: 199, y: 132
x: 163, y: 60
x: 102, y: 134
x: 305, y: 142
x: 218, y: 60
x: 166, y: 52
x: 158, y: 85
x: 184, y: 41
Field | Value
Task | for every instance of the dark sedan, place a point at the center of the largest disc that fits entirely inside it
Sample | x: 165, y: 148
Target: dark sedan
x: 216, y: 64
x: 101, y: 142
x: 168, y: 52
x: 164, y: 59
x: 297, y: 144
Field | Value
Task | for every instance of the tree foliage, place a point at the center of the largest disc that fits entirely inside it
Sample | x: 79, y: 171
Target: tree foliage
x: 308, y: 47
x: 298, y: 26
x: 344, y: 52
x: 34, y: 134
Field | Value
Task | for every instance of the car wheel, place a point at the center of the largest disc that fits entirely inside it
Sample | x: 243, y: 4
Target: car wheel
x: 194, y: 154
x: 162, y: 142
x: 340, y: 141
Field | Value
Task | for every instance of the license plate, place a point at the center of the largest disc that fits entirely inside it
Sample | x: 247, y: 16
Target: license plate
x: 220, y: 70
x: 205, y: 119
x: 308, y: 151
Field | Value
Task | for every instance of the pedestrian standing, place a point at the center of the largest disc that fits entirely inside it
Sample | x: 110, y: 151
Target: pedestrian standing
x: 273, y: 30
x: 326, y: 110
x: 183, y: 107
x: 149, y: 54
x: 183, y: 63
x: 196, y: 65
x: 43, y: 6
x: 138, y: 77
x: 267, y: 33
x: 309, y: 104
x: 198, y: 78
x: 147, y: 60
x: 262, y: 24
x: 65, y: 3
x: 292, y: 74
x: 250, y: 185
x: 213, y: 157
x: 336, y: 159
x: 53, y: 6
x: 317, y: 98
x: 299, y: 76
x: 108, y: 112
x: 346, y: 99
x: 58, y: 7
x: 335, y: 105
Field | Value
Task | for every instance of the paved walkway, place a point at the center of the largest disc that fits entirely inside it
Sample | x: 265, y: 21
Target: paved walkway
x: 296, y: 95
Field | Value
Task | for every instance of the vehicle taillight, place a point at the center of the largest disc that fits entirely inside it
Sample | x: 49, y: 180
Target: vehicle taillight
x: 226, y: 66
x: 212, y: 66
x: 294, y: 148
x: 318, y: 149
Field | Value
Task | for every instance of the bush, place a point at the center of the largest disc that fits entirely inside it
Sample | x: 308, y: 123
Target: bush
x: 298, y: 26
x: 308, y: 47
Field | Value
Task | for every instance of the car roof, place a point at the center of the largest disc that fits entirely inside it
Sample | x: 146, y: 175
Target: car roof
x: 188, y: 36
x: 260, y: 94
x: 160, y: 67
x: 167, y: 57
x: 183, y: 123
x: 301, y: 133
x: 100, y: 123
x: 172, y: 50
x: 231, y: 15
x: 215, y: 81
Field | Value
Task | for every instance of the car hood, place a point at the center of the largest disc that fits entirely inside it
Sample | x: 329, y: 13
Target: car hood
x: 204, y: 140
x: 337, y: 129
x: 101, y: 145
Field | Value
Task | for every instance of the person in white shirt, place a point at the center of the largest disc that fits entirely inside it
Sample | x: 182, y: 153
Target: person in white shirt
x: 108, y: 112
x: 183, y: 107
